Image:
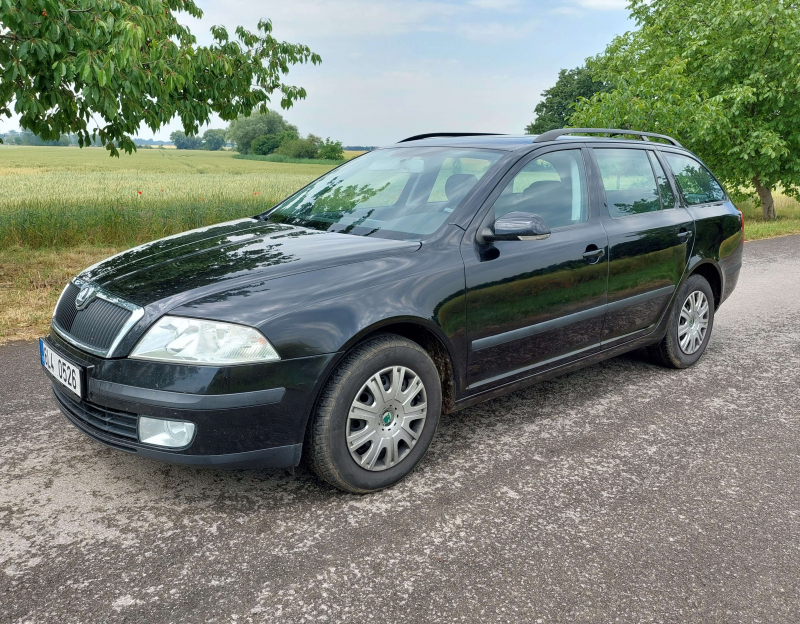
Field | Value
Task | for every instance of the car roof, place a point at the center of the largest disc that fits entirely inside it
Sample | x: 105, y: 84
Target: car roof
x: 507, y: 142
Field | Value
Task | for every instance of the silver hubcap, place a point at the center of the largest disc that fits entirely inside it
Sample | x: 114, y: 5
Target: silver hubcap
x: 693, y: 323
x: 386, y: 418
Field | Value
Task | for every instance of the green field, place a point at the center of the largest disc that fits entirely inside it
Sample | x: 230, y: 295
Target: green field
x: 64, y: 197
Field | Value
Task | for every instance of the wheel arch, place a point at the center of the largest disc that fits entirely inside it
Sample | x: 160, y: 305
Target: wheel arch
x: 713, y: 275
x: 423, y: 333
x: 426, y: 335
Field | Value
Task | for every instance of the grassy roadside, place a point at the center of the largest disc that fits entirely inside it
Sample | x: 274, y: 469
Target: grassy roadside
x: 31, y: 281
x: 788, y: 221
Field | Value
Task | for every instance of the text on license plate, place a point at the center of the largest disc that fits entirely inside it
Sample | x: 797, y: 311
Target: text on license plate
x: 65, y: 372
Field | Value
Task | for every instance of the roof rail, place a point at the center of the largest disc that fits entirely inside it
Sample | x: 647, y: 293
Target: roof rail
x: 433, y: 135
x: 552, y: 135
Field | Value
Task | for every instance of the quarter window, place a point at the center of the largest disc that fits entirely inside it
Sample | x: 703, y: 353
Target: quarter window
x: 697, y: 184
x: 667, y: 196
x: 552, y: 186
x: 628, y: 181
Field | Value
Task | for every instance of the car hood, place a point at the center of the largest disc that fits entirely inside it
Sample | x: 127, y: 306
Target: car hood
x: 212, y: 259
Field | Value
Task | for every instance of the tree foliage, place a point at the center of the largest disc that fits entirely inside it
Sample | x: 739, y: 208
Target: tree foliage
x: 722, y: 76
x: 555, y: 110
x: 103, y: 67
x: 244, y: 130
x: 29, y: 138
x: 181, y: 141
x: 214, y: 139
x: 300, y: 148
x: 288, y: 143
x: 331, y: 150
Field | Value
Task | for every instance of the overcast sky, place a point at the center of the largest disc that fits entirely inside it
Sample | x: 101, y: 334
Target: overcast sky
x: 394, y: 68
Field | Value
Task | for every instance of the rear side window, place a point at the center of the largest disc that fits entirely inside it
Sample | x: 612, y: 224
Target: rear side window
x: 552, y: 186
x: 628, y: 181
x: 697, y: 184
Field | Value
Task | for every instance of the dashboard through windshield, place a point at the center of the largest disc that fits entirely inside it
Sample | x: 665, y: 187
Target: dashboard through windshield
x: 401, y: 193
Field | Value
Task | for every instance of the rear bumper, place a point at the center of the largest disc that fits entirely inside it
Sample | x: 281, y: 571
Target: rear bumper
x: 731, y: 278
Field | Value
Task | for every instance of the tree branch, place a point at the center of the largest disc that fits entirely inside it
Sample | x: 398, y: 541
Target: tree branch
x: 771, y: 38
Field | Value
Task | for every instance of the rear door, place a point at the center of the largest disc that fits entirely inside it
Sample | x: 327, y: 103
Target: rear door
x: 649, y: 238
x: 535, y: 303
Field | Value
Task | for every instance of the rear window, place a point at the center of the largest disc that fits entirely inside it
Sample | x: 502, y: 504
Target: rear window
x: 697, y: 184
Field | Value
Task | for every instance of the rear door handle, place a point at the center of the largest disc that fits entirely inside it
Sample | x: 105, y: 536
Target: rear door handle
x: 595, y: 253
x: 684, y: 234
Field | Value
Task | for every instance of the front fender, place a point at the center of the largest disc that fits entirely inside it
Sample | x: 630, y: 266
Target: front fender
x: 328, y: 310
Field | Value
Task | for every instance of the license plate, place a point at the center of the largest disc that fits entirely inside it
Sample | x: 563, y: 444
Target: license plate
x: 65, y: 372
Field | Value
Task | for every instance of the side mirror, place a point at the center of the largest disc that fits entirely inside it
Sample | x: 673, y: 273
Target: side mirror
x: 516, y: 226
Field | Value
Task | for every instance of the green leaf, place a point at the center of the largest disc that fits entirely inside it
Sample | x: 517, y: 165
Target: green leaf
x: 133, y: 63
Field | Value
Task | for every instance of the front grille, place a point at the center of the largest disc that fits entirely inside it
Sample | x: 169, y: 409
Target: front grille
x: 112, y: 423
x: 66, y: 310
x: 96, y: 326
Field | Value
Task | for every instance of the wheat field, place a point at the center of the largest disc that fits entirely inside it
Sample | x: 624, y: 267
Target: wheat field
x: 66, y: 197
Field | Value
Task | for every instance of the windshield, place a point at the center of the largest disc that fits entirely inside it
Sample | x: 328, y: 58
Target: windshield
x: 404, y: 193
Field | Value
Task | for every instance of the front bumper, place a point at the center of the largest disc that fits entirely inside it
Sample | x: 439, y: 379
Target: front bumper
x: 253, y: 426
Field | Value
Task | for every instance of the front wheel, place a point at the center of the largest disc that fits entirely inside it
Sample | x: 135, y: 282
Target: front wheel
x: 376, y: 416
x: 690, y: 324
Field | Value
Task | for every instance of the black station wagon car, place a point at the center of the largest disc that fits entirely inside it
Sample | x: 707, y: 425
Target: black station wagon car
x: 412, y: 281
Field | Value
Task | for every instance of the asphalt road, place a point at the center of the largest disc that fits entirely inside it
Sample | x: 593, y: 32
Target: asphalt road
x: 621, y: 493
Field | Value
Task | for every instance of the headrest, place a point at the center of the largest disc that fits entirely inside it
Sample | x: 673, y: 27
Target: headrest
x: 458, y: 185
x: 542, y: 186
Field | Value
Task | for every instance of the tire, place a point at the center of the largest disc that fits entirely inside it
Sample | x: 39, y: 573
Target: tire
x: 670, y: 352
x: 402, y: 409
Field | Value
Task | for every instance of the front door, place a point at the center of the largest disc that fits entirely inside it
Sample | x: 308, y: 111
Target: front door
x: 535, y: 303
x: 649, y: 239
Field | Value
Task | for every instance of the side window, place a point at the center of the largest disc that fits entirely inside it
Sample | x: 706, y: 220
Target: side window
x: 628, y: 180
x: 667, y: 196
x: 552, y: 186
x: 697, y: 184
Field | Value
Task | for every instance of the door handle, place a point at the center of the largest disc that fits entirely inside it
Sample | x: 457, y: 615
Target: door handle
x: 595, y: 253
x: 592, y: 256
x: 684, y: 235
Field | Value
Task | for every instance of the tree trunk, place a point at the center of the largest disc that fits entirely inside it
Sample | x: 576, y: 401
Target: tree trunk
x: 767, y: 203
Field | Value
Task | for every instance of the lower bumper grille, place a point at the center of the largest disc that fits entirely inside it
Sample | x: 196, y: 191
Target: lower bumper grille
x: 120, y: 426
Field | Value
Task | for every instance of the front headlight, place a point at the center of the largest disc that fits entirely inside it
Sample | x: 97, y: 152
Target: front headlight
x: 188, y: 340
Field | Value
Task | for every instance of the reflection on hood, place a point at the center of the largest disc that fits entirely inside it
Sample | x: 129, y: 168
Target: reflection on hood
x: 204, y: 259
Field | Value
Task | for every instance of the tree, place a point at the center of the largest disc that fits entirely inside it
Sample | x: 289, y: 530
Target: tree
x: 26, y: 137
x: 68, y: 63
x: 300, y: 148
x: 331, y: 150
x: 555, y: 110
x: 182, y: 141
x: 265, y: 144
x: 244, y: 130
x: 723, y: 77
x: 214, y: 140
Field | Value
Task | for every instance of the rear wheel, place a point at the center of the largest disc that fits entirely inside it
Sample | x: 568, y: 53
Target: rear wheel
x: 690, y: 324
x: 376, y: 416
